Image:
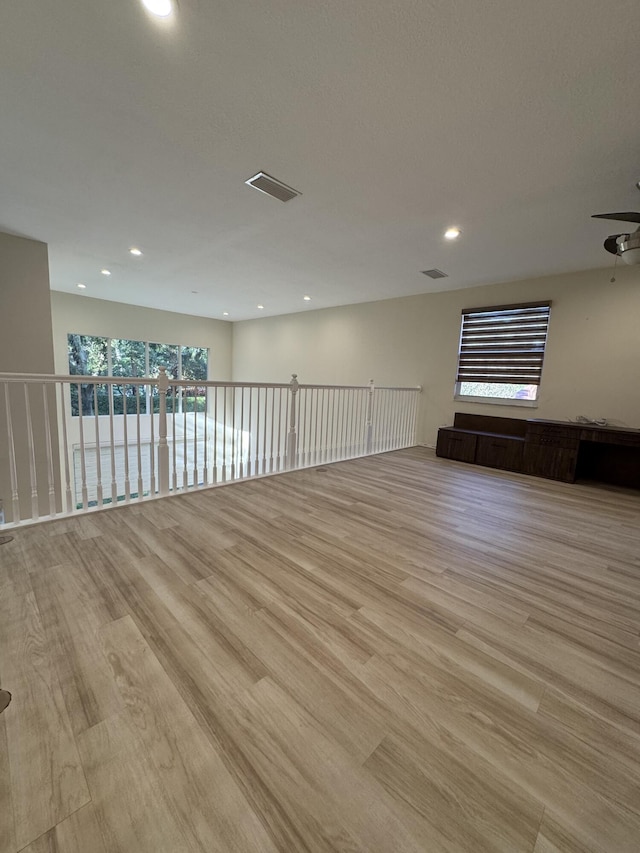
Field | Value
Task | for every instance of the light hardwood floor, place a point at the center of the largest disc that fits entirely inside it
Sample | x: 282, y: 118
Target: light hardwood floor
x: 399, y: 654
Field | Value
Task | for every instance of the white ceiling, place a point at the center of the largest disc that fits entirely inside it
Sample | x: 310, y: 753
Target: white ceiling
x: 514, y: 119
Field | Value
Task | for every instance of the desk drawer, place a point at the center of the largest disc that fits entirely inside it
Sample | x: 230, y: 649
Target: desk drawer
x: 554, y: 441
x: 550, y: 435
x: 500, y: 452
x: 456, y: 445
x: 602, y: 436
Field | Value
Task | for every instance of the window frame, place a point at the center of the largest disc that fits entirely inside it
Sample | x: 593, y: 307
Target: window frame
x: 532, y: 347
x: 148, y: 395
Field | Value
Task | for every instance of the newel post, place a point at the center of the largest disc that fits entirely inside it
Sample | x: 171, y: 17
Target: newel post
x: 292, y: 438
x: 369, y: 425
x: 163, y: 446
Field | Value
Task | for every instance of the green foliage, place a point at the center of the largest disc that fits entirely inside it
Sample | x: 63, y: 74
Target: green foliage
x: 90, y: 356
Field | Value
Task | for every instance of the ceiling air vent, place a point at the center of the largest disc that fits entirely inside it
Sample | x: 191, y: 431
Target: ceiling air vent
x: 276, y: 189
x: 435, y: 273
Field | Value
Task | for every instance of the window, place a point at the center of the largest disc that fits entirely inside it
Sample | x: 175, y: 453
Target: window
x: 119, y: 357
x: 501, y: 353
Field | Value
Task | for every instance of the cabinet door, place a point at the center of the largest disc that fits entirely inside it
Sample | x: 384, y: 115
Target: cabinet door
x: 499, y: 452
x: 456, y: 445
x: 555, y: 463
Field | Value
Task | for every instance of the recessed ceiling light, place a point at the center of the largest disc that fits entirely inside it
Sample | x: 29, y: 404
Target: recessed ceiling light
x: 134, y: 251
x: 160, y: 8
x: 452, y: 233
x: 225, y: 313
x: 105, y: 272
x: 260, y: 307
x: 307, y: 298
x: 82, y: 286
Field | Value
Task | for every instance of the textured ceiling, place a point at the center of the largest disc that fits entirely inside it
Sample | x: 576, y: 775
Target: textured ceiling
x: 514, y: 119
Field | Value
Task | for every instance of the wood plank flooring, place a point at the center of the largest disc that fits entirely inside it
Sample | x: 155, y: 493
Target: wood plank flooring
x: 402, y: 654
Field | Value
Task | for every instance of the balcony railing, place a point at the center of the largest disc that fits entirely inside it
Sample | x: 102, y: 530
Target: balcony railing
x: 76, y: 443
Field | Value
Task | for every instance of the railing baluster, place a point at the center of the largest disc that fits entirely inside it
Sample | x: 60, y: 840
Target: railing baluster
x: 233, y: 433
x: 279, y: 426
x: 302, y: 427
x: 149, y: 403
x: 112, y: 445
x: 224, y: 436
x: 241, y: 437
x: 404, y: 402
x: 353, y: 405
x: 152, y: 446
x: 215, y: 434
x: 292, y: 461
x: 392, y: 420
x: 321, y: 426
x: 369, y: 421
x: 343, y: 435
x: 125, y: 433
x: 195, y: 441
x: 65, y: 446
x: 250, y: 466
x: 163, y: 446
x: 273, y: 416
x: 407, y: 419
x: 185, y: 442
x: 174, y: 441
x: 13, y: 472
x: 35, y: 510
x: 83, y: 462
x: 264, y: 433
x: 205, y: 463
x: 316, y: 451
x: 96, y: 419
x: 47, y: 437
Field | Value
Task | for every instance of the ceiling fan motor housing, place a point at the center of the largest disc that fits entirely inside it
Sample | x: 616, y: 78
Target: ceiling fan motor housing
x: 629, y: 247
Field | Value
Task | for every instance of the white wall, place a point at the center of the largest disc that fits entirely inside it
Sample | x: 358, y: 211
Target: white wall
x: 85, y: 316
x: 592, y: 363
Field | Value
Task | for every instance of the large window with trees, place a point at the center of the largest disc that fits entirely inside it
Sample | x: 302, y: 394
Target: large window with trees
x: 99, y: 356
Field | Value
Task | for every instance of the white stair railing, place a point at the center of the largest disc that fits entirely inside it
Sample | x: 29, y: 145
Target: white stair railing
x: 74, y: 443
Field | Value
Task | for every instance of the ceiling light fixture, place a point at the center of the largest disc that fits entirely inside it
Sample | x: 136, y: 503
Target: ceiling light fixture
x: 225, y: 313
x: 135, y: 251
x: 260, y: 307
x: 307, y: 298
x: 159, y: 8
x: 452, y: 233
x: 105, y: 272
x: 82, y: 286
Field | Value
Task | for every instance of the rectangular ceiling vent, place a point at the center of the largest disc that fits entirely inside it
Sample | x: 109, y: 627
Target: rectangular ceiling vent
x: 435, y: 273
x: 268, y: 185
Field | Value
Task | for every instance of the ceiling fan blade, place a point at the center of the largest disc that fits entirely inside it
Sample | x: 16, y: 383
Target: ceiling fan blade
x: 629, y: 216
x: 611, y: 243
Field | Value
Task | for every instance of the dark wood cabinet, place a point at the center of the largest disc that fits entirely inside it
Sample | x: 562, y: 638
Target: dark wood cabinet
x: 557, y: 450
x: 499, y: 451
x: 551, y: 451
x: 458, y: 445
x: 554, y: 463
